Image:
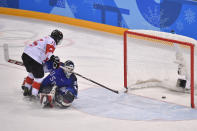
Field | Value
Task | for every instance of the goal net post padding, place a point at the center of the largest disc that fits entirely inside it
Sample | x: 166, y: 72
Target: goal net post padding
x: 150, y: 59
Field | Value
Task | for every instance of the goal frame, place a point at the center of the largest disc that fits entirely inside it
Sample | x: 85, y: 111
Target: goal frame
x: 127, y: 32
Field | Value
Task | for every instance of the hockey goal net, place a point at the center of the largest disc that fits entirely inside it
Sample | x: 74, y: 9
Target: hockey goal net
x: 159, y: 59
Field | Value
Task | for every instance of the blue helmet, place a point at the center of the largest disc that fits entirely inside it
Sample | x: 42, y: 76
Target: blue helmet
x: 69, y: 67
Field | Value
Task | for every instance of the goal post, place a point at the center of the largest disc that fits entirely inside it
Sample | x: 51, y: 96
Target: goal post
x: 136, y: 42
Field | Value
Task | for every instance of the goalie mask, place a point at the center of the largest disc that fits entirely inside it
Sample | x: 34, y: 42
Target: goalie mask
x: 68, y: 68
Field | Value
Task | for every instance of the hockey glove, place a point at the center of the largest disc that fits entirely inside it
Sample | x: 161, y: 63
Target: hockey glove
x: 56, y: 61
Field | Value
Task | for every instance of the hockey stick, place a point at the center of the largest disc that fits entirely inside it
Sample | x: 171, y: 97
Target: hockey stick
x: 88, y: 79
x: 6, y: 56
x: 115, y: 91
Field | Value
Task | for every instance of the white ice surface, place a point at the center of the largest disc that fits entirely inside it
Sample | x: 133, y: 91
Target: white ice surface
x: 97, y: 55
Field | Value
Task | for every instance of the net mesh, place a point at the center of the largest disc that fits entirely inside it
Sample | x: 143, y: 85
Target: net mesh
x: 154, y: 60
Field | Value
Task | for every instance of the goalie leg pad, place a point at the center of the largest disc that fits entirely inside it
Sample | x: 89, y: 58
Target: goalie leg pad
x: 46, y: 100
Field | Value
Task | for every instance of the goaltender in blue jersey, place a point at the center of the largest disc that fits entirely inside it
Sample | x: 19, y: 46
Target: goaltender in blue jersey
x: 60, y: 86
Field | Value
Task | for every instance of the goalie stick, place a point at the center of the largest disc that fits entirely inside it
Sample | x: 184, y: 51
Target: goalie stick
x: 115, y: 91
x: 6, y: 57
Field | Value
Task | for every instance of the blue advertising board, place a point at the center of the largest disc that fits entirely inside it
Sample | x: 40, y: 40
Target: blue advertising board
x: 163, y: 15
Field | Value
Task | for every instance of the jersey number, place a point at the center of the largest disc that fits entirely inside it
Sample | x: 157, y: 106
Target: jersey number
x: 49, y: 48
x: 52, y: 79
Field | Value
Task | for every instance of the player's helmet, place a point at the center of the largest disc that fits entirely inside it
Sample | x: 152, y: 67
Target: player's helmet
x: 69, y: 67
x: 57, y: 36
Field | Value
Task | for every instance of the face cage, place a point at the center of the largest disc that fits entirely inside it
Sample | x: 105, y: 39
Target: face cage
x: 68, y: 69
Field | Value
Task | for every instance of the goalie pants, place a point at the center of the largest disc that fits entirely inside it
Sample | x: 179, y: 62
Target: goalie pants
x: 33, y: 66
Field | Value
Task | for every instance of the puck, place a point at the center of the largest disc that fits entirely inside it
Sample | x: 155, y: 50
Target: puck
x: 163, y: 97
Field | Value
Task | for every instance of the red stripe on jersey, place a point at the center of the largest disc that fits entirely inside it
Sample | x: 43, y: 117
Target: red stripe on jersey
x: 28, y: 80
x: 36, y: 85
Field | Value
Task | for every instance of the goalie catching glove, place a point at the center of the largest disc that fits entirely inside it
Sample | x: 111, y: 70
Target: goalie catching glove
x: 64, y: 97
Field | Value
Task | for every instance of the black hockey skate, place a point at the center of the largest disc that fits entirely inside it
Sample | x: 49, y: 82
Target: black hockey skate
x: 26, y: 91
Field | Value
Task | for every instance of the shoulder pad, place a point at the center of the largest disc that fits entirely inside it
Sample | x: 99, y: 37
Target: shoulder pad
x: 73, y: 76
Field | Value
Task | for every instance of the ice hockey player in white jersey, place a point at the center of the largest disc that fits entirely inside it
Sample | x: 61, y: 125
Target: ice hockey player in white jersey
x: 34, y: 57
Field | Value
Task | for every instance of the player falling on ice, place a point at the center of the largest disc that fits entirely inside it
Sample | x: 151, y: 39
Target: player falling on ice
x: 60, y: 86
x: 34, y: 56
